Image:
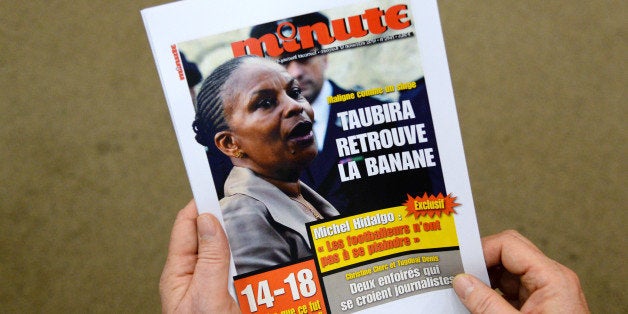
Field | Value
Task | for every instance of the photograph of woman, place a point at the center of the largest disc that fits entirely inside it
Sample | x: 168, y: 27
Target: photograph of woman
x: 252, y: 111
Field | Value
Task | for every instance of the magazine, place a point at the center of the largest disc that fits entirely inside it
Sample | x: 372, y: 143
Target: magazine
x: 325, y: 137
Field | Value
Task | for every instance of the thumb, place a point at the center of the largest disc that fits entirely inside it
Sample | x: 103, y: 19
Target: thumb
x: 212, y: 267
x: 479, y: 298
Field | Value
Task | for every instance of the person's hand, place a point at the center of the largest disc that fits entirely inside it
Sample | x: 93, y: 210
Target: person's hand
x: 196, y: 274
x: 529, y: 280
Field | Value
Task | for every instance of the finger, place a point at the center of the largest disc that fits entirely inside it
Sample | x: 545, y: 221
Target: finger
x: 212, y: 268
x: 553, y: 287
x: 181, y: 257
x: 183, y: 238
x: 527, y: 269
x: 510, y: 285
x: 536, y: 280
x: 478, y: 297
x: 512, y: 250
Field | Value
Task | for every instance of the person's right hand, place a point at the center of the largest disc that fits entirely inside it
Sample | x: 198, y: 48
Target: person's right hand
x: 529, y: 280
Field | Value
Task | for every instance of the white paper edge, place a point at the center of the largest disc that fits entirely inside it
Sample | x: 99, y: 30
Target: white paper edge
x: 186, y: 20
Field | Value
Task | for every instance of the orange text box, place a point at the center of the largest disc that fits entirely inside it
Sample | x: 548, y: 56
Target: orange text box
x: 291, y: 289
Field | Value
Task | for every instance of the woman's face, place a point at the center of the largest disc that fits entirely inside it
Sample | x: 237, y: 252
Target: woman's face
x: 269, y: 120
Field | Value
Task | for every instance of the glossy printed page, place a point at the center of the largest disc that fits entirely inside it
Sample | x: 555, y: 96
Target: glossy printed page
x: 331, y: 153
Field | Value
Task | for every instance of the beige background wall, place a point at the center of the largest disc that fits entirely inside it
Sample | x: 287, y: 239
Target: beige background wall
x: 92, y: 176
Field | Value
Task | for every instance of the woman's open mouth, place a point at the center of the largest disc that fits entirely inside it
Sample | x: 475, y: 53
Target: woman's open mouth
x: 302, y: 133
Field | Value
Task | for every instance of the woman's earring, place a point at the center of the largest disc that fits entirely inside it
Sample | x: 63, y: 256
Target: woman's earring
x: 238, y: 154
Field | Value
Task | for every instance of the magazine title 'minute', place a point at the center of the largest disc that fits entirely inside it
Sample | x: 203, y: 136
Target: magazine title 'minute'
x: 289, y: 38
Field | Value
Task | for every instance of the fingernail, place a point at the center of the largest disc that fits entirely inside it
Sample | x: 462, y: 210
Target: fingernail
x: 463, y: 286
x: 206, y: 226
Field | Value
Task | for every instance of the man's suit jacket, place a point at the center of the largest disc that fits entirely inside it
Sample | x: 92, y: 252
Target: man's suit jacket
x: 368, y: 193
x: 266, y: 227
x: 420, y: 102
x: 322, y: 175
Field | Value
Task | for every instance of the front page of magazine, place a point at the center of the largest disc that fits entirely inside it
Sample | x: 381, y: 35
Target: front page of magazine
x: 325, y: 138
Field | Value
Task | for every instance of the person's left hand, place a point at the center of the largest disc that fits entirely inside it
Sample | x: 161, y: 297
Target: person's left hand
x: 196, y: 273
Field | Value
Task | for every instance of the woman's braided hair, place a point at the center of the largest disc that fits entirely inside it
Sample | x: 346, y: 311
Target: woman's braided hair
x: 210, y: 113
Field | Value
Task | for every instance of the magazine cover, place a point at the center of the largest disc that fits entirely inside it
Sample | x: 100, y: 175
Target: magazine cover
x: 325, y: 137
